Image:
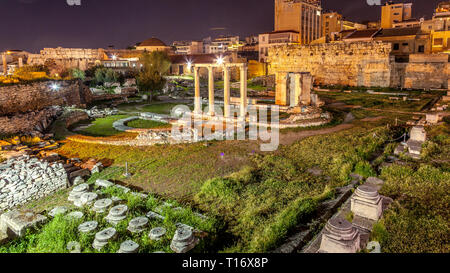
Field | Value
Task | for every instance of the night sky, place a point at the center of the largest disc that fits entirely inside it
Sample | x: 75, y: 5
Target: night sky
x: 34, y: 24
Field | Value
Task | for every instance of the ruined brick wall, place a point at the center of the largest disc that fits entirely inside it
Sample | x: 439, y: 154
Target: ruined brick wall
x: 353, y: 64
x: 22, y: 98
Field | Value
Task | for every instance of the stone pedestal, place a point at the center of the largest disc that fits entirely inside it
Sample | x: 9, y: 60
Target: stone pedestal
x: 138, y: 224
x: 88, y: 227
x: 128, y: 247
x: 183, y: 241
x: 103, y: 237
x: 157, y: 233
x: 117, y: 214
x: 367, y: 203
x: 339, y: 236
x: 102, y: 205
x: 418, y: 133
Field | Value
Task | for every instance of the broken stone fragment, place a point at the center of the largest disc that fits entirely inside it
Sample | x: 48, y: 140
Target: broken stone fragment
x: 57, y: 211
x: 183, y: 240
x: 103, y: 237
x: 74, y: 247
x: 102, y: 205
x: 16, y: 223
x: 88, y: 227
x: 103, y: 183
x: 128, y: 247
x: 157, y: 233
x: 138, y: 224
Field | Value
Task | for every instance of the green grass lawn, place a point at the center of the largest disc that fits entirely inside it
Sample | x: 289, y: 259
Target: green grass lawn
x: 163, y: 108
x: 147, y: 124
x: 381, y: 102
x: 102, y: 127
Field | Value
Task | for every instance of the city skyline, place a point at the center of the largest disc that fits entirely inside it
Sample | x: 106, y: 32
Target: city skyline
x: 103, y: 23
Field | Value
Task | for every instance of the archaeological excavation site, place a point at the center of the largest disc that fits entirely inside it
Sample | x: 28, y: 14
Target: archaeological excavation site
x: 317, y: 136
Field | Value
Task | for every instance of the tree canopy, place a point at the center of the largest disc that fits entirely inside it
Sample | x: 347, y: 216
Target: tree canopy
x: 151, y: 77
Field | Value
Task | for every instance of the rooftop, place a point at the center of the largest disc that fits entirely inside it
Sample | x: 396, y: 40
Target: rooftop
x: 152, y: 42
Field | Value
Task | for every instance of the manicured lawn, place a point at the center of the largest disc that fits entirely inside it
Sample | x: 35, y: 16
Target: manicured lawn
x: 147, y: 124
x: 163, y: 108
x: 102, y: 127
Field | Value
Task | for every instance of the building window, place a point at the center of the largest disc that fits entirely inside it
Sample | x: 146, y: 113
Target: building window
x: 438, y: 42
x: 396, y: 46
x: 421, y: 49
x: 405, y: 44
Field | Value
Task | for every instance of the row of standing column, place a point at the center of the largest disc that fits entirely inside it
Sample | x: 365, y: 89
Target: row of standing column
x: 227, y: 94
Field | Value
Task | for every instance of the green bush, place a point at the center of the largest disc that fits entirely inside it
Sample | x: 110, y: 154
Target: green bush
x: 418, y: 222
x: 405, y: 231
x: 364, y: 169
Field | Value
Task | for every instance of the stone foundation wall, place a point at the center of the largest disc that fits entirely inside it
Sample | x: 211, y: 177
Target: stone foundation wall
x: 34, y: 122
x: 365, y: 64
x: 23, y: 98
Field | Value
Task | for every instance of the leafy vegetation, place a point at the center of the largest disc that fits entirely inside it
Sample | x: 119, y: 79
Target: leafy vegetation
x: 151, y: 78
x: 418, y: 222
x: 263, y: 202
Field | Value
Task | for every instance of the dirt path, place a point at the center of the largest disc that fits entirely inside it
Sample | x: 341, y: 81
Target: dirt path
x: 291, y: 137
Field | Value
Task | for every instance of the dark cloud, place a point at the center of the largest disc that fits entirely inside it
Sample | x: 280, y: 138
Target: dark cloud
x: 34, y: 24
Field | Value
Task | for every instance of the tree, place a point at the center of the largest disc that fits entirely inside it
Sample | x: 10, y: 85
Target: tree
x: 110, y: 75
x: 155, y: 67
x: 99, y: 76
x: 78, y: 74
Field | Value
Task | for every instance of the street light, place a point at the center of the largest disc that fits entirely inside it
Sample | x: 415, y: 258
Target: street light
x: 220, y: 60
x: 54, y: 87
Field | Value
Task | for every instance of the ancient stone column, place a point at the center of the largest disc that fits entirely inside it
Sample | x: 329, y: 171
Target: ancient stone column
x: 281, y: 88
x: 5, y: 66
x: 339, y: 236
x: 197, y: 99
x: 226, y: 94
x: 298, y: 89
x: 367, y: 203
x: 244, y: 99
x: 211, y: 90
x: 305, y: 97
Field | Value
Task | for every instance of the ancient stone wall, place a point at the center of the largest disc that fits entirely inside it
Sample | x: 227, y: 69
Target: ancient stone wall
x: 354, y: 64
x: 424, y: 71
x: 68, y: 57
x: 22, y: 98
x: 367, y: 64
x: 33, y: 122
